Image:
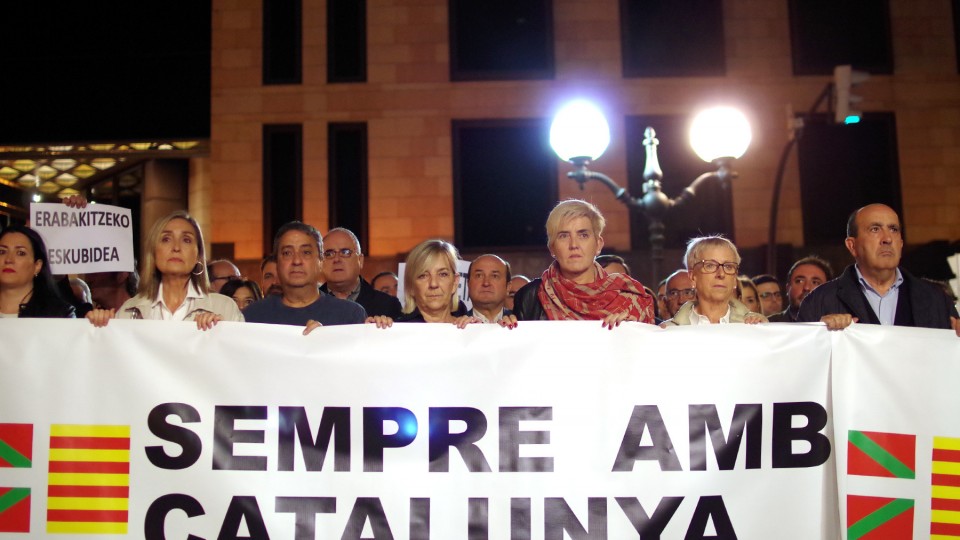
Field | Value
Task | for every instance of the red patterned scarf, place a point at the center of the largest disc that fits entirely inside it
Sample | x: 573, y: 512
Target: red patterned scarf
x: 562, y: 299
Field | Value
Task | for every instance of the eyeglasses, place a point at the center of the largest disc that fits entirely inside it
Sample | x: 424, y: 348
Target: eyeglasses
x: 343, y: 253
x: 709, y: 267
x: 227, y: 278
x: 774, y: 294
x: 685, y: 293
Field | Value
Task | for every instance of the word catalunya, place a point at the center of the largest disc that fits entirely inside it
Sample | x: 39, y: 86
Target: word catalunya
x: 395, y: 439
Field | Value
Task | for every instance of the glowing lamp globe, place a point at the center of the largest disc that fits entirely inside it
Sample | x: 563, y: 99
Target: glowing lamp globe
x: 721, y: 132
x: 579, y: 130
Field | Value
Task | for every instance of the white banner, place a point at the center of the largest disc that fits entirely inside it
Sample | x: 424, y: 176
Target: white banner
x: 149, y: 429
x: 98, y: 238
x: 897, y: 417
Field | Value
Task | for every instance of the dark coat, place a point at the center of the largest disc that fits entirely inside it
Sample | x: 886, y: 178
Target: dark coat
x: 919, y: 304
x: 373, y: 301
x: 526, y: 303
x: 417, y: 317
x: 51, y: 307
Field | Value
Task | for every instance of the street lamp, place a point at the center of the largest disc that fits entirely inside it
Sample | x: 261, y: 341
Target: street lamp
x: 580, y: 134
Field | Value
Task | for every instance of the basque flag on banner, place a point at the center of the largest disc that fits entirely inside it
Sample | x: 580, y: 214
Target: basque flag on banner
x: 879, y: 518
x: 16, y: 451
x: 888, y: 455
x: 16, y: 445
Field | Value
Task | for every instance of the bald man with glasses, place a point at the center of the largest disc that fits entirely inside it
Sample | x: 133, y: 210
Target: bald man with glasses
x: 343, y: 261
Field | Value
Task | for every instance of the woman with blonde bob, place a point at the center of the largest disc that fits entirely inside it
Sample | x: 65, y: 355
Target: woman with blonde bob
x: 430, y: 284
x: 174, y: 285
x: 575, y: 287
x: 713, y: 263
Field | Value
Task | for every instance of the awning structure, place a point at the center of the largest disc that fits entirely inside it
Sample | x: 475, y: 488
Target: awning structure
x: 54, y: 171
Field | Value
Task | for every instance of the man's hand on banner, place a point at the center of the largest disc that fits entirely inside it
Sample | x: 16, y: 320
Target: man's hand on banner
x: 838, y: 321
x: 311, y: 325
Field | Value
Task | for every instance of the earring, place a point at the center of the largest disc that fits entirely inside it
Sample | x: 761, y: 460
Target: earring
x: 199, y: 271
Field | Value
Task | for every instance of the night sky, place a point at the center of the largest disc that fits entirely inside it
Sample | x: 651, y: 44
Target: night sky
x: 104, y: 70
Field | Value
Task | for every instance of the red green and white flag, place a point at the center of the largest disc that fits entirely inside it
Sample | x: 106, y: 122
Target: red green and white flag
x: 16, y: 445
x: 888, y: 455
x: 16, y: 451
x: 879, y: 518
x: 89, y: 477
x: 14, y: 510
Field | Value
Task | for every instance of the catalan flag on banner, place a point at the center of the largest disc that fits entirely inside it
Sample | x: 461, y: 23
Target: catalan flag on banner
x: 14, y: 510
x: 89, y: 477
x: 879, y: 518
x: 16, y: 445
x: 888, y: 455
x: 945, y: 500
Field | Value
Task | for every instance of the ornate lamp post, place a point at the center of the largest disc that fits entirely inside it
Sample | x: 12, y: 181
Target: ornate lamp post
x: 580, y: 134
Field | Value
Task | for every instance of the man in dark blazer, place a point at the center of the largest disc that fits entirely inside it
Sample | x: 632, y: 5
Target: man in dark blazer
x: 876, y: 290
x: 343, y: 261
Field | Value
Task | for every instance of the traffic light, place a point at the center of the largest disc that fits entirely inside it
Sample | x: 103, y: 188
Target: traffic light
x: 845, y: 110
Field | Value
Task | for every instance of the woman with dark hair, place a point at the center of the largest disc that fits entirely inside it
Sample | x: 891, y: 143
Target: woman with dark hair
x: 27, y: 288
x: 174, y: 285
x: 243, y: 291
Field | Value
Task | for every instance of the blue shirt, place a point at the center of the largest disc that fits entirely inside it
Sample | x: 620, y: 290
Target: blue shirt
x: 885, y: 306
x: 327, y: 310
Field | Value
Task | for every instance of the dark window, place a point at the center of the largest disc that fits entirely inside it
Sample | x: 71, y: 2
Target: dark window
x: 347, y: 188
x: 282, y: 178
x: 504, y: 181
x: 844, y: 167
x: 672, y: 39
x: 501, y: 39
x: 956, y: 30
x: 346, y: 41
x: 710, y: 212
x: 828, y: 33
x: 281, y: 42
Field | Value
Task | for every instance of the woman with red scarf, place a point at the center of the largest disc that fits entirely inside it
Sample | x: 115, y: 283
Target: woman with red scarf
x: 575, y: 287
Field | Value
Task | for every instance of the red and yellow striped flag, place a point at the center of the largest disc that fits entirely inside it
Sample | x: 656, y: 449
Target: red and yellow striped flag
x: 945, y: 500
x: 89, y: 479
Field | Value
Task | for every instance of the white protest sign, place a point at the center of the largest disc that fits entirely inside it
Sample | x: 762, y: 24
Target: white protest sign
x: 98, y: 238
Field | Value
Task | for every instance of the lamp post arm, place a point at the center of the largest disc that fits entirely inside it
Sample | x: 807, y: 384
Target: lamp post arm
x: 582, y: 174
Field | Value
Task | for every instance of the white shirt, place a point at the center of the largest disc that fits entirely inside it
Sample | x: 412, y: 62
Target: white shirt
x: 485, y: 320
x: 697, y: 319
x: 159, y: 311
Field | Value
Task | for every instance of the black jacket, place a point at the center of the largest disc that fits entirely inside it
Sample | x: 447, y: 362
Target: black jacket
x: 919, y: 303
x: 373, y: 301
x: 526, y: 303
x: 51, y: 307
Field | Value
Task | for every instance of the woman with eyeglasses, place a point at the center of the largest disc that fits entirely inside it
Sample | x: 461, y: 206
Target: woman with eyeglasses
x: 713, y: 263
x: 174, y: 284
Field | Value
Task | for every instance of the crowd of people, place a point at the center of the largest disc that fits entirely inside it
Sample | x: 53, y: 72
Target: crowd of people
x: 312, y: 281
